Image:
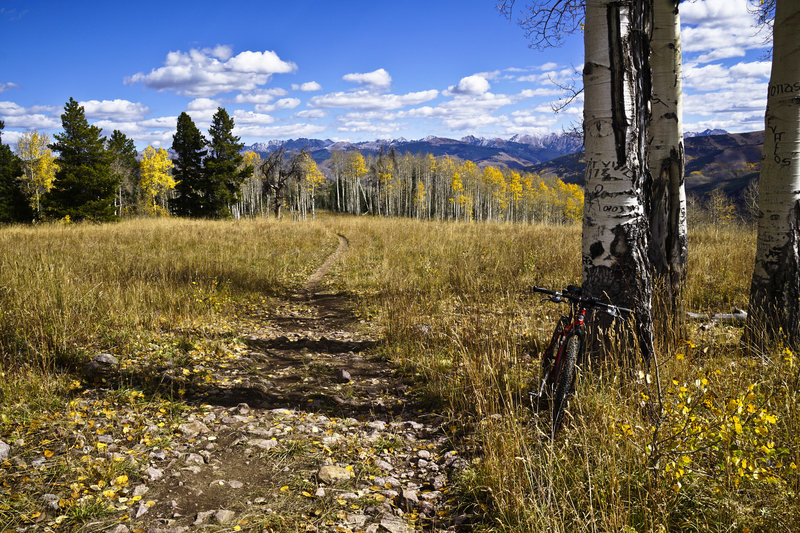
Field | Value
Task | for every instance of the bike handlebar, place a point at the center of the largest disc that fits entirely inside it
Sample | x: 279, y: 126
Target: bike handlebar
x: 573, y: 293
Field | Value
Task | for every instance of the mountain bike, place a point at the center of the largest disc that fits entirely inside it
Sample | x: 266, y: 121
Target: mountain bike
x: 566, y: 351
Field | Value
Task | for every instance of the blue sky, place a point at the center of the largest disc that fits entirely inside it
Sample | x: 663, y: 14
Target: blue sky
x: 344, y: 70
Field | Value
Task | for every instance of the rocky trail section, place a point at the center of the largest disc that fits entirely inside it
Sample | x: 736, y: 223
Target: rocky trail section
x: 302, y: 426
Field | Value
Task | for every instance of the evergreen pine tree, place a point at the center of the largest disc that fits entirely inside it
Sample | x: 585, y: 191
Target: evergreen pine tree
x: 14, y: 206
x: 85, y: 187
x: 191, y: 190
x: 222, y: 166
x: 125, y: 169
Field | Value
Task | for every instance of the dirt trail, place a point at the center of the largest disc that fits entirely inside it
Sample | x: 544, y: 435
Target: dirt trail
x: 307, y: 429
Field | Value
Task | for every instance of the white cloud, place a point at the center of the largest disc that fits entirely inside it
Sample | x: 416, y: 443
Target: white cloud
x: 249, y: 117
x: 209, y: 72
x: 283, y: 103
x: 471, y: 85
x: 718, y: 29
x: 11, y: 137
x: 159, y: 122
x: 31, y: 118
x: 465, y: 112
x: 114, y: 109
x: 34, y: 121
x: 358, y: 126
x: 365, y: 100
x: 541, y: 91
x: 311, y: 113
x: 308, y: 87
x: 260, y: 96
x: 748, y: 79
x: 377, y: 79
x: 221, y: 51
x: 202, y: 110
x: 283, y: 131
x: 202, y: 104
x: 11, y: 109
x: 6, y: 86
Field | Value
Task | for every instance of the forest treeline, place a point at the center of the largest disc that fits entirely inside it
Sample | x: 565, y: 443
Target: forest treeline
x: 81, y: 175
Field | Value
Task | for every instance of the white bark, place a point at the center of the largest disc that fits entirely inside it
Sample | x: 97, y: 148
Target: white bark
x: 615, y: 264
x: 667, y: 198
x: 775, y: 289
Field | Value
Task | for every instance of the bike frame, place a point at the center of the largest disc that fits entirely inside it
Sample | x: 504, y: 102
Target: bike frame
x: 573, y: 324
x: 553, y: 357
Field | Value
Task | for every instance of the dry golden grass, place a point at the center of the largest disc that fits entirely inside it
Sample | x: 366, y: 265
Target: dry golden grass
x: 64, y: 288
x: 718, y: 452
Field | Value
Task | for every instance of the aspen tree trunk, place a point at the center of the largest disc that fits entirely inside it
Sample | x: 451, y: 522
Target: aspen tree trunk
x: 666, y: 203
x: 616, y: 84
x: 774, y: 312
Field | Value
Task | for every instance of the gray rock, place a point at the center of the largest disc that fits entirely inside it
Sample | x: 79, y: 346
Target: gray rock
x: 158, y: 454
x: 51, y: 501
x: 234, y: 484
x: 143, y: 508
x: 424, y: 454
x: 195, y: 458
x: 343, y: 376
x: 264, y: 444
x: 121, y: 528
x: 427, y: 508
x: 319, y: 493
x: 383, y: 465
x: 378, y: 425
x: 223, y: 516
x: 202, y: 516
x: 394, y: 524
x: 356, y: 520
x: 332, y: 474
x: 5, y: 449
x: 101, y: 365
x: 393, y: 481
x: 193, y: 429
x: 154, y: 473
x: 410, y: 498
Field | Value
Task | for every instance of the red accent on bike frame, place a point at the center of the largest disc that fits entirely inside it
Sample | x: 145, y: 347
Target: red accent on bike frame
x: 581, y: 317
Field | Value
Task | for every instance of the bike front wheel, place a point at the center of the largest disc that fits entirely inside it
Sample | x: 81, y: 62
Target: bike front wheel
x: 565, y: 381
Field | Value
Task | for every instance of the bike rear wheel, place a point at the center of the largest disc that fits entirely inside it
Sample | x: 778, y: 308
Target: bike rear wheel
x: 565, y: 381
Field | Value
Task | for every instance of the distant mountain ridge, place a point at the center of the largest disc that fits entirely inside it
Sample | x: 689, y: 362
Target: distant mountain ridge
x: 518, y: 152
x: 726, y: 161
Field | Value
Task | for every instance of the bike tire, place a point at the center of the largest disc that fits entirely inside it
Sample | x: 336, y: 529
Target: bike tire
x: 564, y: 381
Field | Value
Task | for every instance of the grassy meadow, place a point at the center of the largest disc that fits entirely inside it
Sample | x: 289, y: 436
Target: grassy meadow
x: 706, y: 440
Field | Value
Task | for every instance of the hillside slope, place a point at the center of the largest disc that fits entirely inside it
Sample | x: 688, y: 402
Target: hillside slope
x: 728, y: 161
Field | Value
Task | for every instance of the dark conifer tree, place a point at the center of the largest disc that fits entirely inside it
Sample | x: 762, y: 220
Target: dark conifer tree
x: 14, y: 206
x: 222, y: 166
x: 191, y: 190
x: 85, y: 187
x: 125, y: 168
